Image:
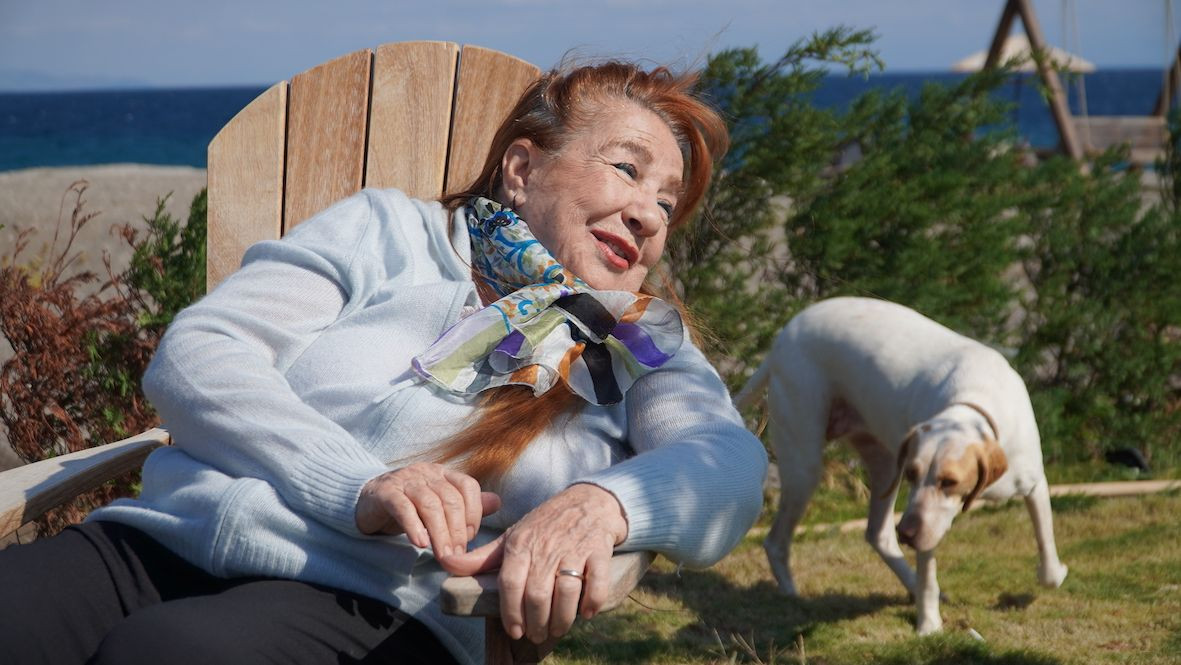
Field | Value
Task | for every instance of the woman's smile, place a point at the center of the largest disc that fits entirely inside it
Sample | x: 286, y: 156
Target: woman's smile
x: 618, y: 252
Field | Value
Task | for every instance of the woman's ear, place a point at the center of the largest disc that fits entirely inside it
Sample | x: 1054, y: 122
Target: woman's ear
x: 516, y: 166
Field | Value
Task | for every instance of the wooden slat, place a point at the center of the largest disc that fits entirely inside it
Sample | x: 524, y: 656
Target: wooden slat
x: 410, y: 116
x: 26, y: 492
x: 480, y: 595
x: 1145, y: 135
x: 327, y: 109
x: 488, y: 85
x: 246, y: 182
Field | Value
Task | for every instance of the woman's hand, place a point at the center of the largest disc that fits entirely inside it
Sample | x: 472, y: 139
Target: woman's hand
x: 576, y: 530
x: 432, y: 504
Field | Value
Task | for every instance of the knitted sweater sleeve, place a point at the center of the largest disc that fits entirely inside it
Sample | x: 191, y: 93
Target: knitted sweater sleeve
x: 695, y: 485
x: 217, y: 377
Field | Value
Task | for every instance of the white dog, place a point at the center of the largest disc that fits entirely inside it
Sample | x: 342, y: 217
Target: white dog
x: 915, y: 400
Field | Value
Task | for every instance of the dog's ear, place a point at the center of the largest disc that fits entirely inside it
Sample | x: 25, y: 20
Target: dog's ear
x: 903, y: 453
x: 990, y: 465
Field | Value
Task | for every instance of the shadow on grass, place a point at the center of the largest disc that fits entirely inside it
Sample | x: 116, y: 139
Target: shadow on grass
x: 954, y: 650
x: 714, y: 611
x: 700, y: 616
x: 731, y: 608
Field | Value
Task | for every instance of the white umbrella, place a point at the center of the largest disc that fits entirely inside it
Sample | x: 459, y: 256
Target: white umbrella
x: 1018, y: 46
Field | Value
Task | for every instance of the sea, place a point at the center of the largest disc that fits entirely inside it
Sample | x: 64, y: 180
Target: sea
x: 174, y: 126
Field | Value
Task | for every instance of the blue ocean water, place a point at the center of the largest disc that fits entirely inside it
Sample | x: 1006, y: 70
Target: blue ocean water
x: 175, y: 126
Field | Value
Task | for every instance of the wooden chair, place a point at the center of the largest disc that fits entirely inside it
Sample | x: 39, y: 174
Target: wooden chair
x: 418, y: 116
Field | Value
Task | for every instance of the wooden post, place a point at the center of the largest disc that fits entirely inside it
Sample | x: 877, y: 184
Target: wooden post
x: 1002, y: 33
x: 1169, y: 88
x: 1033, y: 30
x: 1058, y: 107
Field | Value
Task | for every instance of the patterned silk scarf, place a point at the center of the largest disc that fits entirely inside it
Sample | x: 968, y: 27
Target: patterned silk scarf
x: 548, y: 325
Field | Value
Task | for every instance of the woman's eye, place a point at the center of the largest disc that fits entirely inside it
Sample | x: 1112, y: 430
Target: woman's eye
x: 667, y: 208
x: 629, y: 169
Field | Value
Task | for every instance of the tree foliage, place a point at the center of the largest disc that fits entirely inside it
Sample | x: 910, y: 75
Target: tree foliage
x: 932, y: 202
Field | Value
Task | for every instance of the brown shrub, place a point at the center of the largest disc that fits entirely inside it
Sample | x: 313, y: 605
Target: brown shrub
x: 73, y: 380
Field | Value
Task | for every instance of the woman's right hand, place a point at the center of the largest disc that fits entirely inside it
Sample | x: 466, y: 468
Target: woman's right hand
x: 432, y: 504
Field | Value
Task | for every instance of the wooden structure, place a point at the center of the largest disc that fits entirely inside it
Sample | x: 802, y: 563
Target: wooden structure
x: 418, y: 116
x: 1087, y: 135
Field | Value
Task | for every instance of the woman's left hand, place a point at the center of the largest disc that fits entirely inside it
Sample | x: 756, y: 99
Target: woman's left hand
x: 575, y: 530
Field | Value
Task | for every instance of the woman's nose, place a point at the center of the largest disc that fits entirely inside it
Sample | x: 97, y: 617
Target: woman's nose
x: 644, y: 216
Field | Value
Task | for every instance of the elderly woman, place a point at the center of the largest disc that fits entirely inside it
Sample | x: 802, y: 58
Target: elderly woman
x: 403, y: 389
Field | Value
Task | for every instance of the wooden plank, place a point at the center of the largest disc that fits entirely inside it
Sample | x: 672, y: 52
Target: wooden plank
x: 327, y: 110
x: 1144, y: 135
x: 1104, y: 131
x: 26, y: 492
x: 246, y: 182
x: 488, y: 85
x: 1117, y: 488
x: 410, y: 117
x: 479, y: 595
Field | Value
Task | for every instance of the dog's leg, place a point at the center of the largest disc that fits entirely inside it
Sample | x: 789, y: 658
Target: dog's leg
x: 928, y: 620
x: 1050, y: 570
x: 879, y: 532
x: 798, y: 476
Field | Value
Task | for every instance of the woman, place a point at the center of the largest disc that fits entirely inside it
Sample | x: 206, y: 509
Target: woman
x: 399, y: 390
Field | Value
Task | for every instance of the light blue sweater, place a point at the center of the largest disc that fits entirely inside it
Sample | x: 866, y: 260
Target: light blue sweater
x: 289, y: 387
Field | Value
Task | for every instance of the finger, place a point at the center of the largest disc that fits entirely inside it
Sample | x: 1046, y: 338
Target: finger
x: 514, y: 572
x: 406, y: 520
x: 430, y: 511
x: 538, y: 601
x: 480, y: 560
x: 490, y: 502
x: 598, y: 583
x: 473, y: 503
x: 455, y: 514
x: 564, y: 605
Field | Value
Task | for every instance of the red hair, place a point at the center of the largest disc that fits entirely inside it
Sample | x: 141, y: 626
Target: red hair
x: 550, y: 110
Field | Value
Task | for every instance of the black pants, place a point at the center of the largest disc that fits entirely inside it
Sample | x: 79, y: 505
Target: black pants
x: 107, y: 593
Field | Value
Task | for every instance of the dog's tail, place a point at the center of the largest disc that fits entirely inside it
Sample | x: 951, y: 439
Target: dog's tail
x: 754, y: 387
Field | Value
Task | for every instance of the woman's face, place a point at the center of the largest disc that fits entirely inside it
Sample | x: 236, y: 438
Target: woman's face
x: 601, y: 205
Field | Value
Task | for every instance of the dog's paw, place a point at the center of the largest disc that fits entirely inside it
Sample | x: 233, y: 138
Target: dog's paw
x: 1052, y: 577
x: 787, y: 588
x: 929, y: 626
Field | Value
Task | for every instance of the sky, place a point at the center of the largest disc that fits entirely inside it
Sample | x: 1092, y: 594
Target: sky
x: 72, y: 44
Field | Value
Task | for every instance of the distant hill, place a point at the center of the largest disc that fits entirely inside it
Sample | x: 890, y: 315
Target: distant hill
x: 25, y: 80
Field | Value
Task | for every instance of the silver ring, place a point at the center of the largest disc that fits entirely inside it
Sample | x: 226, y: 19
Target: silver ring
x: 570, y: 572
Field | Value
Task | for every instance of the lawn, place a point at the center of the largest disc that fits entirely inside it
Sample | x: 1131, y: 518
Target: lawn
x: 1121, y: 602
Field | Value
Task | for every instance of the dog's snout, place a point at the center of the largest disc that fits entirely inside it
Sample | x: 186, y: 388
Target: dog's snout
x: 907, y: 529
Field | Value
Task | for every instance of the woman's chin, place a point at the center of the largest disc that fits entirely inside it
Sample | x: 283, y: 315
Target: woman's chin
x: 603, y: 279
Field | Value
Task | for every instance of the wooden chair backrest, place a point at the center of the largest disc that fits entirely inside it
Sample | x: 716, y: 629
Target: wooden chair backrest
x: 418, y: 116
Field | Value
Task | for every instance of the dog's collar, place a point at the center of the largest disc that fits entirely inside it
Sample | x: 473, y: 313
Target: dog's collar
x: 979, y: 409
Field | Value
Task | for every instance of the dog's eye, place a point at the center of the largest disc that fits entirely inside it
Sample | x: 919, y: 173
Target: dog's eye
x: 912, y: 475
x: 947, y: 483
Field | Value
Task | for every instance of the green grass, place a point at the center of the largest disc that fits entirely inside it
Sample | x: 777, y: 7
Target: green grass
x: 1121, y: 602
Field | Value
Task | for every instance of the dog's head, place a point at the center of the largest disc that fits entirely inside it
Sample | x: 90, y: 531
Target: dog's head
x: 947, y: 463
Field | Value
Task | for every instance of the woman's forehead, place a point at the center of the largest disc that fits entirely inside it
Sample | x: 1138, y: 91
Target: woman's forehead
x: 631, y: 128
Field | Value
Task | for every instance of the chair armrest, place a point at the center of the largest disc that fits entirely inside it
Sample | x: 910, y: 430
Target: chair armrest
x: 26, y: 492
x: 479, y: 596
